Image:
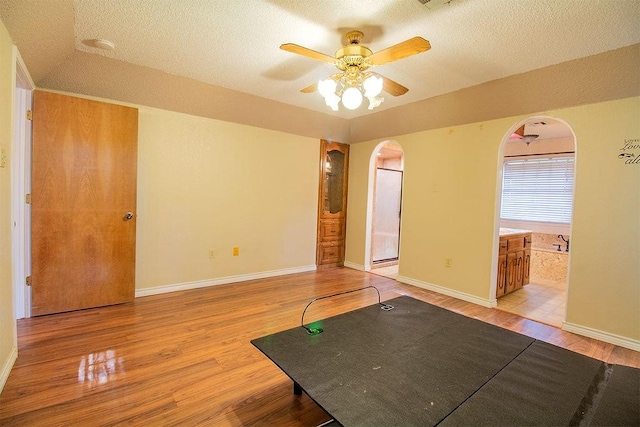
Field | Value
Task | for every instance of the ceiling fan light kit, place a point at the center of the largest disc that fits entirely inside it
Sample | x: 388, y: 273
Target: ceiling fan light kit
x: 350, y: 92
x: 354, y: 82
x: 526, y: 138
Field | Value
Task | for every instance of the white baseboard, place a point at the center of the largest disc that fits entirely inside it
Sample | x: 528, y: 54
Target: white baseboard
x: 8, y: 365
x: 354, y: 266
x: 449, y: 292
x: 221, y: 281
x: 602, y: 336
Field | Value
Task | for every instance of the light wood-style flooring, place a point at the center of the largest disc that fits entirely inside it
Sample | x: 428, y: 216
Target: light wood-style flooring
x: 184, y: 358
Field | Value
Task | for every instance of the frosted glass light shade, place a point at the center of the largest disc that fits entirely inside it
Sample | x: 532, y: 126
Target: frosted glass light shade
x: 352, y: 98
x: 375, y: 102
x: 327, y: 87
x: 372, y: 86
x: 332, y: 101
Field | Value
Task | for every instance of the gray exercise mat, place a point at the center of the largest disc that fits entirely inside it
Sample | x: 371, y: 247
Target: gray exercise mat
x: 422, y: 365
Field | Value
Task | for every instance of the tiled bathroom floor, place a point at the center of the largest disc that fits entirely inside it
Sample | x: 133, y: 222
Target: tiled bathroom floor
x: 543, y: 301
x: 390, y: 271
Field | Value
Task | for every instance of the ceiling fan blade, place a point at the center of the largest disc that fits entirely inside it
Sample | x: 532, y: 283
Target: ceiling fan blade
x: 391, y: 87
x: 519, y: 132
x: 310, y: 89
x: 401, y: 50
x: 294, y: 48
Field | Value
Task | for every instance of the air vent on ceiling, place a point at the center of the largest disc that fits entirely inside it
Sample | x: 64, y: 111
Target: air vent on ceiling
x: 434, y: 4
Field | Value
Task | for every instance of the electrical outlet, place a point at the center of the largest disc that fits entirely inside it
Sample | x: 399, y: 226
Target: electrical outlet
x: 236, y: 251
x: 212, y: 253
x: 448, y: 262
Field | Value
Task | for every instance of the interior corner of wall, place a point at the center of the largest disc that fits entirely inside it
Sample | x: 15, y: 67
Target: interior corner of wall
x: 8, y: 365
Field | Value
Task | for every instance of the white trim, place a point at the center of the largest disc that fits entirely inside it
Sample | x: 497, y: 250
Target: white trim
x: 23, y: 78
x: 221, y: 281
x: 355, y: 266
x: 490, y: 303
x: 602, y: 336
x: 20, y: 186
x: 6, y: 369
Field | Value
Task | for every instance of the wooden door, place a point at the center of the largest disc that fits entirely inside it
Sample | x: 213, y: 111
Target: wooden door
x: 332, y: 204
x: 83, y: 186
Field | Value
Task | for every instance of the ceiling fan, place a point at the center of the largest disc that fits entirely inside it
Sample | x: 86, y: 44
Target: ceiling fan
x: 526, y: 138
x: 354, y: 60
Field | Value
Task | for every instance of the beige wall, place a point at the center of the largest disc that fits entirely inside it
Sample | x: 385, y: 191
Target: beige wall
x: 8, y: 342
x: 204, y: 184
x: 449, y: 211
x: 604, y: 275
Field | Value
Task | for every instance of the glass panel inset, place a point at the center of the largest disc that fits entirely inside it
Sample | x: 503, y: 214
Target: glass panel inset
x: 334, y: 182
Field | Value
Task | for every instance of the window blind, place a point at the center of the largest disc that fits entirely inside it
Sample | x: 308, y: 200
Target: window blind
x: 538, y: 190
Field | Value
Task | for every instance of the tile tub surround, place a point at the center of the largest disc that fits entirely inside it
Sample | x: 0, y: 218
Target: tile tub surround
x: 549, y: 266
x: 547, y: 241
x: 547, y: 263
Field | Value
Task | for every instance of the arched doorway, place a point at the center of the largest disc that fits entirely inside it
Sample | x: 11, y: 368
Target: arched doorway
x: 535, y: 205
x: 386, y: 173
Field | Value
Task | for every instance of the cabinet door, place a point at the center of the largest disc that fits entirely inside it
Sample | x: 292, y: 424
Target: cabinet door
x: 512, y: 272
x: 519, y: 269
x: 527, y: 266
x: 502, y: 276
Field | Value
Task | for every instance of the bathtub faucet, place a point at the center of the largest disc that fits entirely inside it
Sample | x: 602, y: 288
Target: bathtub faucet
x: 561, y: 236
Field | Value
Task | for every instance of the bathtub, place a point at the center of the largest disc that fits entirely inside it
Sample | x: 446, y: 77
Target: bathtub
x: 548, y: 264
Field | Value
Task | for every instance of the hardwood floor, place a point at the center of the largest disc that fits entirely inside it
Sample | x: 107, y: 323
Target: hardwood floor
x: 184, y: 358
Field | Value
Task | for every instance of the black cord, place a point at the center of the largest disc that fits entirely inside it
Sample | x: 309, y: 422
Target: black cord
x: 316, y: 331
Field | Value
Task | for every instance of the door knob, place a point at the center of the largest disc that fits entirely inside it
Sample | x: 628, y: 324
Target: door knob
x: 128, y: 216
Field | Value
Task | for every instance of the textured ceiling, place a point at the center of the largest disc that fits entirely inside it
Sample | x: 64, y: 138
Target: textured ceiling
x: 235, y: 44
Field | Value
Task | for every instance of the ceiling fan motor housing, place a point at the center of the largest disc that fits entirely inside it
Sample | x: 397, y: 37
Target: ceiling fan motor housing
x: 351, y: 55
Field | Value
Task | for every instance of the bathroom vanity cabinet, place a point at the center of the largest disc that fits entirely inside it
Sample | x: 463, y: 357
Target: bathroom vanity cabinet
x: 514, y: 260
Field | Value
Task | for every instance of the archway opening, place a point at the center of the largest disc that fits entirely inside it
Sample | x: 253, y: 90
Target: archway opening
x: 534, y: 215
x: 385, y: 206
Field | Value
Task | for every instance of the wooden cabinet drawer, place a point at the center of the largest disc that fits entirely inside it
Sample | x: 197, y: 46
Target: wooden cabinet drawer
x: 330, y: 252
x: 515, y: 243
x: 502, y: 246
x: 331, y: 230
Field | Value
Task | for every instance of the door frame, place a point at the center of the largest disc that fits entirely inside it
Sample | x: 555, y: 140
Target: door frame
x: 21, y: 186
x: 368, y: 238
